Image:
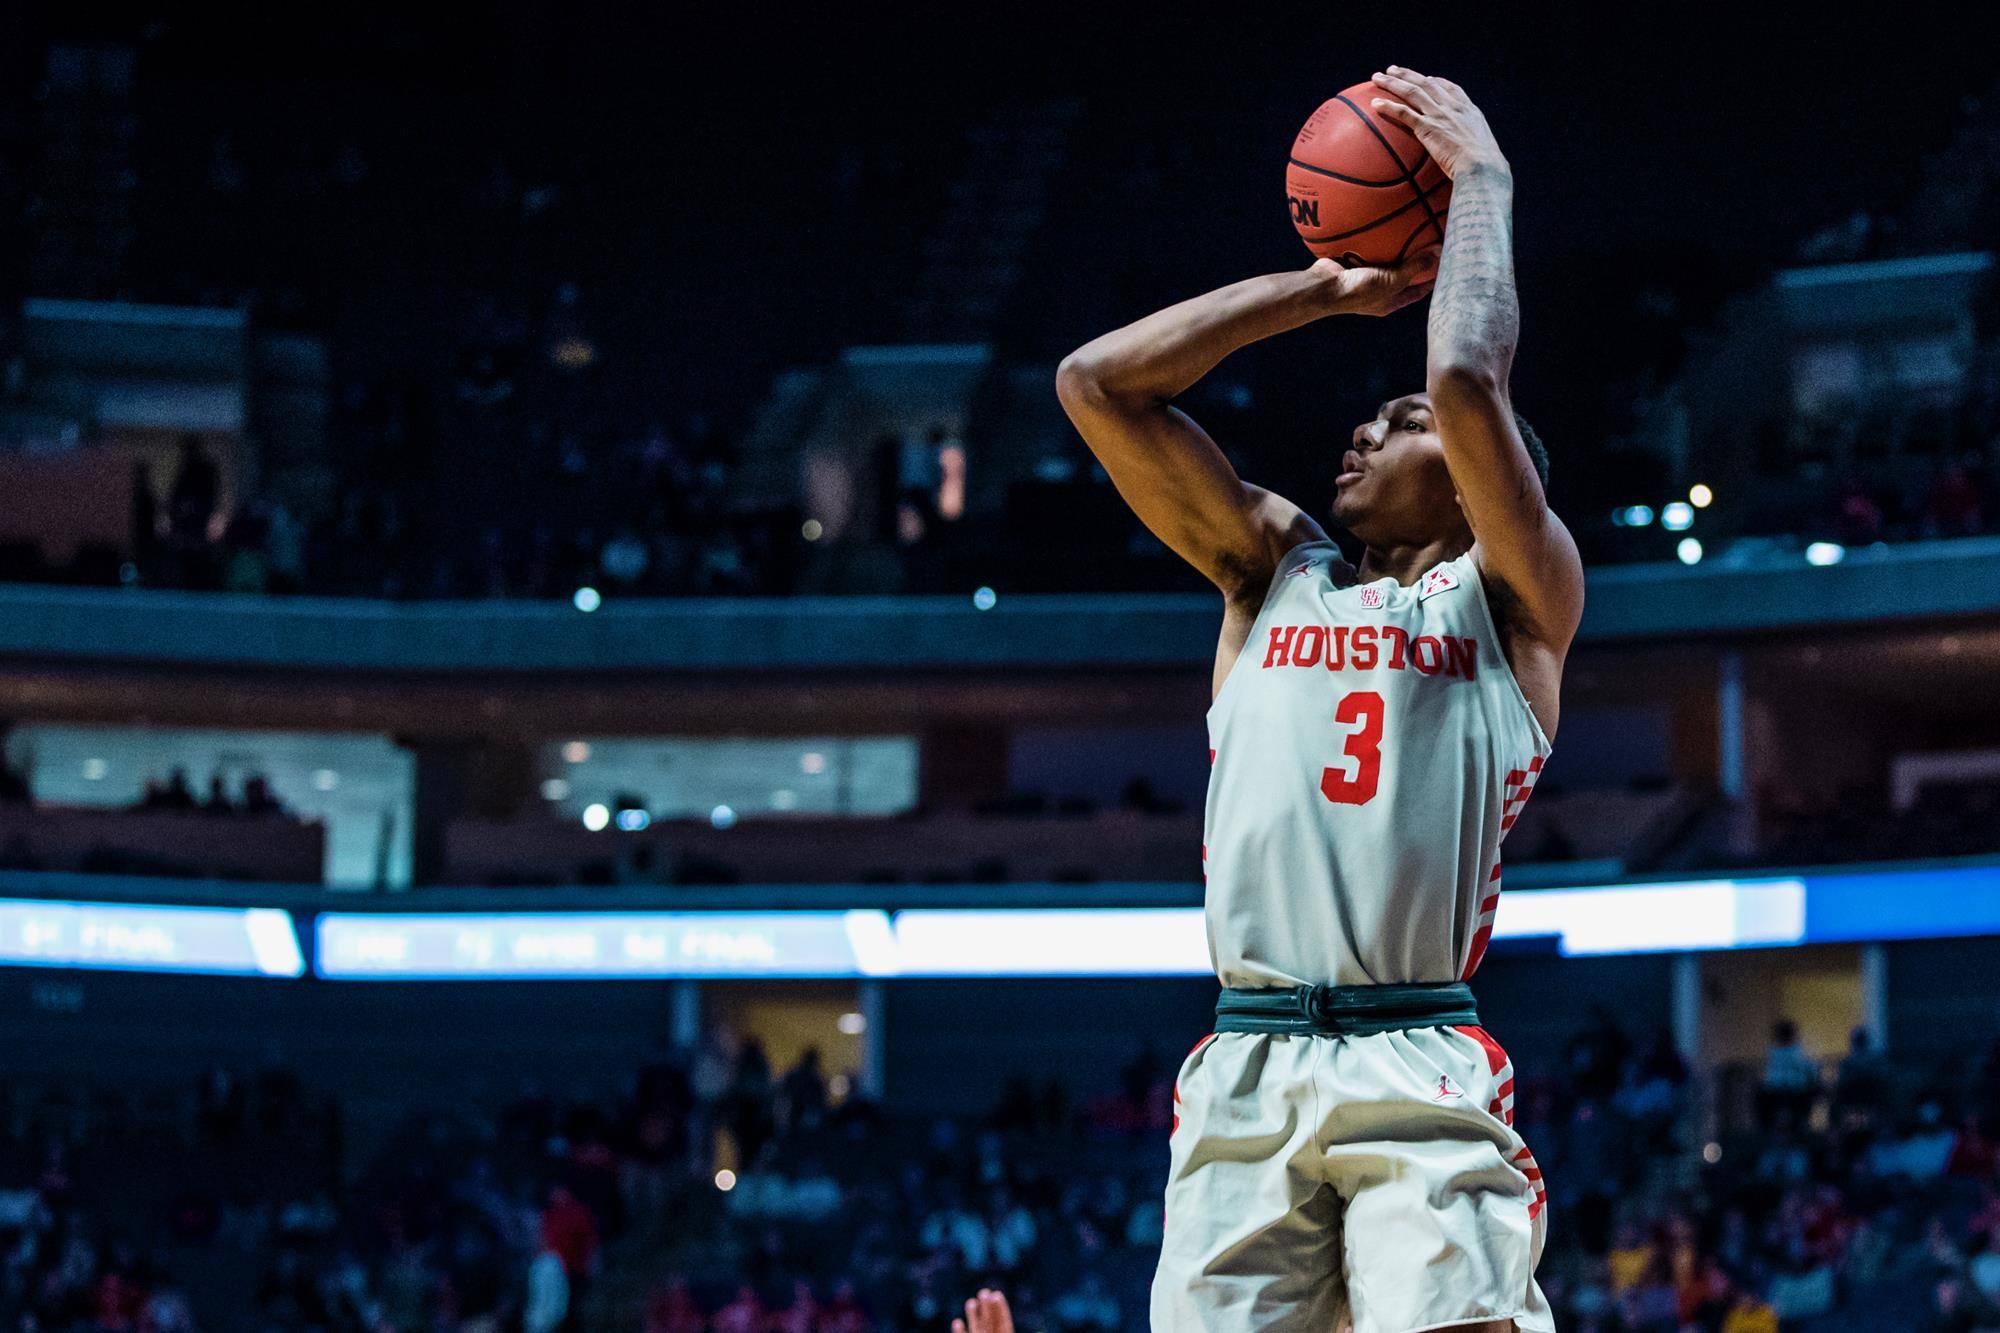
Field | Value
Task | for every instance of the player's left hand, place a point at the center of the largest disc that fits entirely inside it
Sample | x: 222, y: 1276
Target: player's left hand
x: 1451, y: 129
x: 1370, y: 290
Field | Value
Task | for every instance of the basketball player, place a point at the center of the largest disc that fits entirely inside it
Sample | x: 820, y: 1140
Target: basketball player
x: 1344, y: 1146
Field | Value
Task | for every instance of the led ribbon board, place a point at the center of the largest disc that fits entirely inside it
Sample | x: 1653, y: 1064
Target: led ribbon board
x: 528, y: 945
x: 224, y: 941
x: 1957, y: 901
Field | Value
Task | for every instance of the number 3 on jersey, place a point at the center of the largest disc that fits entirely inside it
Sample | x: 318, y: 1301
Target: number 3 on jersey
x: 1363, y: 710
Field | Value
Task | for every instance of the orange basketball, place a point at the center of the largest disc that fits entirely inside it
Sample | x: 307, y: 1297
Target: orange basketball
x: 1362, y: 189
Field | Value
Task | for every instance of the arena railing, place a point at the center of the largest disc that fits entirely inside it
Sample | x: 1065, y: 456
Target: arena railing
x: 1630, y: 603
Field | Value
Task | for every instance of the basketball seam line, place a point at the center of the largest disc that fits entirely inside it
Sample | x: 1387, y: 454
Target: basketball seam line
x: 1389, y: 216
x: 1403, y: 250
x: 1394, y: 156
x: 1350, y: 180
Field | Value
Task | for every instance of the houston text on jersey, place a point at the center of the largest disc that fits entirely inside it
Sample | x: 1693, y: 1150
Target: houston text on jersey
x: 1367, y: 647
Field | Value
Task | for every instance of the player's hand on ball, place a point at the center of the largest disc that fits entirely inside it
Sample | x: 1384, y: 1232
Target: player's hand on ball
x: 1451, y: 129
x: 985, y: 1313
x: 1378, y: 291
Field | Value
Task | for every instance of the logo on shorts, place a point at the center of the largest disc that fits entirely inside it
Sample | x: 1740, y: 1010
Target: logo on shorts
x: 1445, y: 1090
x: 1372, y: 597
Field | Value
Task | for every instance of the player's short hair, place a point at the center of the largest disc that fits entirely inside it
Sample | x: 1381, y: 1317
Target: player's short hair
x: 1536, y: 449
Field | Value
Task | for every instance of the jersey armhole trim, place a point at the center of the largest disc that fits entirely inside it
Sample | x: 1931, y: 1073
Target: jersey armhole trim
x: 1284, y: 565
x: 1542, y: 741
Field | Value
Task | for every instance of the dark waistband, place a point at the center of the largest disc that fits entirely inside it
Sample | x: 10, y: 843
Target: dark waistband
x: 1346, y: 1011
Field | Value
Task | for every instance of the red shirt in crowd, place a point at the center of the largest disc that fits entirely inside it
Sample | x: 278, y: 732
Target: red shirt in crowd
x: 570, y: 1230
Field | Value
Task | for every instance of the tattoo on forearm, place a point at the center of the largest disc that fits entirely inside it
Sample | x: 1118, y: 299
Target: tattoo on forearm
x: 1475, y: 315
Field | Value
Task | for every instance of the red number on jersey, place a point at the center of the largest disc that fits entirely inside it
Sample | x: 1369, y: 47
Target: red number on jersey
x: 1364, y: 747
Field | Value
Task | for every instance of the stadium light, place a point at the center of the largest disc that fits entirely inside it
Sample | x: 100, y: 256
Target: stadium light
x: 1689, y: 551
x: 1700, y: 496
x: 1634, y: 516
x: 576, y: 752
x: 1825, y: 553
x: 853, y: 1023
x: 1677, y: 517
x: 984, y: 598
x: 587, y: 600
x: 325, y: 779
x: 597, y: 818
x: 722, y: 817
x: 631, y: 821
x: 725, y: 1180
x: 555, y: 789
x: 94, y: 770
x: 811, y: 529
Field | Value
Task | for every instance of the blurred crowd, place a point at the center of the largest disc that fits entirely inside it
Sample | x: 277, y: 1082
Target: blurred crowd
x: 716, y: 1195
x: 174, y: 793
x: 643, y: 514
x: 1862, y: 1196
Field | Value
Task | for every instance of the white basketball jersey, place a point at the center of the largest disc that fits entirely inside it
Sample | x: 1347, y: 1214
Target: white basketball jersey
x: 1370, y: 748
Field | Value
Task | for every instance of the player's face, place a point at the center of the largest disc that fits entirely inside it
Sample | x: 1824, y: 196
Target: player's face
x: 1393, y: 485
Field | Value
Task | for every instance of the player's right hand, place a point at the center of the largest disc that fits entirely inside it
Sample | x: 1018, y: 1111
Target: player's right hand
x: 985, y: 1313
x: 1378, y: 291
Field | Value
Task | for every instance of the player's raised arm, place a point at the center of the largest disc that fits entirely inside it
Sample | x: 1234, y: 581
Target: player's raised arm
x: 1475, y: 322
x: 1118, y: 389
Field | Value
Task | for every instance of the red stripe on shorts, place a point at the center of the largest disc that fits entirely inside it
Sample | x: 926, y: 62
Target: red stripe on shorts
x: 1206, y: 1038
x: 1496, y: 1059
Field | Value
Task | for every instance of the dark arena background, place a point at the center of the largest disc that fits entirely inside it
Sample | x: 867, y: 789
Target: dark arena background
x: 586, y: 748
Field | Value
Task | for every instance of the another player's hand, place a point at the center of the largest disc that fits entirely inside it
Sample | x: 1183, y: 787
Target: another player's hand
x: 1451, y: 129
x: 1377, y: 291
x: 985, y: 1313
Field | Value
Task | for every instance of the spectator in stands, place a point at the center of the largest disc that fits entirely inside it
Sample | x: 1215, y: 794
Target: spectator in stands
x: 1650, y: 1095
x: 1857, y: 515
x: 1749, y: 1314
x: 1955, y: 503
x: 222, y: 1104
x: 671, y: 1308
x: 258, y: 798
x: 547, y: 1304
x: 744, y: 1314
x: 1803, y: 1285
x: 196, y: 493
x: 568, y: 1228
x: 843, y: 1314
x: 751, y: 1119
x: 803, y: 1091
x: 1863, y: 1080
x: 1088, y: 1307
x: 218, y: 802
x: 1791, y: 1079
x: 14, y: 786
x: 802, y: 1315
x: 174, y: 794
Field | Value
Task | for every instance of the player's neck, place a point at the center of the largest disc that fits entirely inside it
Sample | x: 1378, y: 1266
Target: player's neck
x: 1408, y: 562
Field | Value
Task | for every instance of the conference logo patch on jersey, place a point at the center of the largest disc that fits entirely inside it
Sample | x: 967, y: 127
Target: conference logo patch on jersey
x: 1440, y: 579
x: 1373, y: 597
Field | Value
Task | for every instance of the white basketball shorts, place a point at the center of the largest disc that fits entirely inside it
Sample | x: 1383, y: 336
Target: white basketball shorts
x: 1378, y: 1179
